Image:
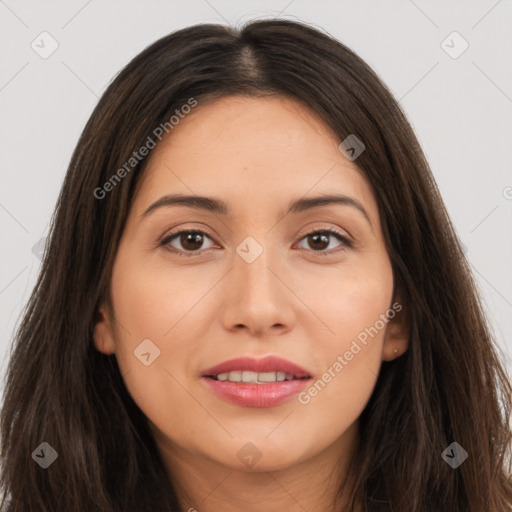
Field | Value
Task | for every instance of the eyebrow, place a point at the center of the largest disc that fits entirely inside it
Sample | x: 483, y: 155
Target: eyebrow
x: 218, y: 206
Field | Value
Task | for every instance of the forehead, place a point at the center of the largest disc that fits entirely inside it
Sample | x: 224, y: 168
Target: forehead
x: 261, y: 149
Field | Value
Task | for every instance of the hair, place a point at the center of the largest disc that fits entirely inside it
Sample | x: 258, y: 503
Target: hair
x: 448, y: 386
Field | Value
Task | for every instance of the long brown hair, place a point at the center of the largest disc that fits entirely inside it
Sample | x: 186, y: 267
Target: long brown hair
x: 450, y: 385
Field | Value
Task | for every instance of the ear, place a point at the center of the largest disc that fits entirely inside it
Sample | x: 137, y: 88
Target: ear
x: 396, y: 339
x: 103, y: 334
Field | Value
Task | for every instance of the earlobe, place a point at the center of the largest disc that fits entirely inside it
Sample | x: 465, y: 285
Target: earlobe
x: 396, y: 339
x: 103, y: 335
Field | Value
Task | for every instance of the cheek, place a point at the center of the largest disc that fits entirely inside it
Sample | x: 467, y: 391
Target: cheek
x: 350, y: 298
x: 352, y: 307
x: 151, y: 304
x: 356, y: 310
x: 352, y: 360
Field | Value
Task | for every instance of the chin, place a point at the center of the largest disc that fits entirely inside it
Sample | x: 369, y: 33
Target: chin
x: 262, y: 455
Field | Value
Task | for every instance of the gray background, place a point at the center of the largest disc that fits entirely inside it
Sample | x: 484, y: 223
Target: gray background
x: 459, y: 107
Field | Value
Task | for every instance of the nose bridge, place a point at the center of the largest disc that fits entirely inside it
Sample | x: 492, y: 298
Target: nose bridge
x: 256, y: 296
x: 253, y: 266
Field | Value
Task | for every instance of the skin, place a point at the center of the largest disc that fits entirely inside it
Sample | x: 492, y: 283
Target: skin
x: 257, y: 155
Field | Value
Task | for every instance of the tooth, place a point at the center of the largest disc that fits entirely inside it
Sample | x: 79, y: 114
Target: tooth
x: 250, y: 376
x: 254, y: 377
x: 267, y: 377
x: 235, y: 376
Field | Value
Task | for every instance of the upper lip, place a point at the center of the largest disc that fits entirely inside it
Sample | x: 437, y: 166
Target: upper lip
x: 262, y: 365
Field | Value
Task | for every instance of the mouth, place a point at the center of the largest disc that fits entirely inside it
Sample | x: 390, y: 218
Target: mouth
x: 250, y: 382
x: 248, y: 377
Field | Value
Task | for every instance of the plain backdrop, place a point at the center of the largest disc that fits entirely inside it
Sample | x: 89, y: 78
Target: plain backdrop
x: 448, y: 63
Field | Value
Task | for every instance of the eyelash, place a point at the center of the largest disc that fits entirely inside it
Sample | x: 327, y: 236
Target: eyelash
x: 332, y: 232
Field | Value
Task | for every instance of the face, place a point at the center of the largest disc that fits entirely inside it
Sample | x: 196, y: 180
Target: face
x: 193, y: 287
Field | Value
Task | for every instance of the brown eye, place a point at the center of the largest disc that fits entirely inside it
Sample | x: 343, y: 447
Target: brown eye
x: 320, y: 240
x: 190, y: 241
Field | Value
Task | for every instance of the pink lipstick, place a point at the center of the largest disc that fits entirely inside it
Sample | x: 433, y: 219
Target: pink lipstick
x: 251, y: 382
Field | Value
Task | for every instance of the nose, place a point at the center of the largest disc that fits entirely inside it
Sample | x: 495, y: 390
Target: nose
x: 257, y: 297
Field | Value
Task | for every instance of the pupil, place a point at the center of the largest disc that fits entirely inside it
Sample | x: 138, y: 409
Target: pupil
x: 316, y: 237
x: 191, y: 238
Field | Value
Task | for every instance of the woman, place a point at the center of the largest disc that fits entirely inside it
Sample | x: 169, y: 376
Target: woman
x: 253, y: 299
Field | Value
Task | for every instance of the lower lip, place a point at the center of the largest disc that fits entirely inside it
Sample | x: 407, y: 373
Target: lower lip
x: 256, y: 395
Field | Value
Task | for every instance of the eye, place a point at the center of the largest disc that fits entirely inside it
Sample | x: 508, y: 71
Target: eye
x: 191, y: 241
x: 319, y: 240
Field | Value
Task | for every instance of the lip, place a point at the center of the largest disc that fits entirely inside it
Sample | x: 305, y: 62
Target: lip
x: 257, y: 395
x: 262, y: 365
